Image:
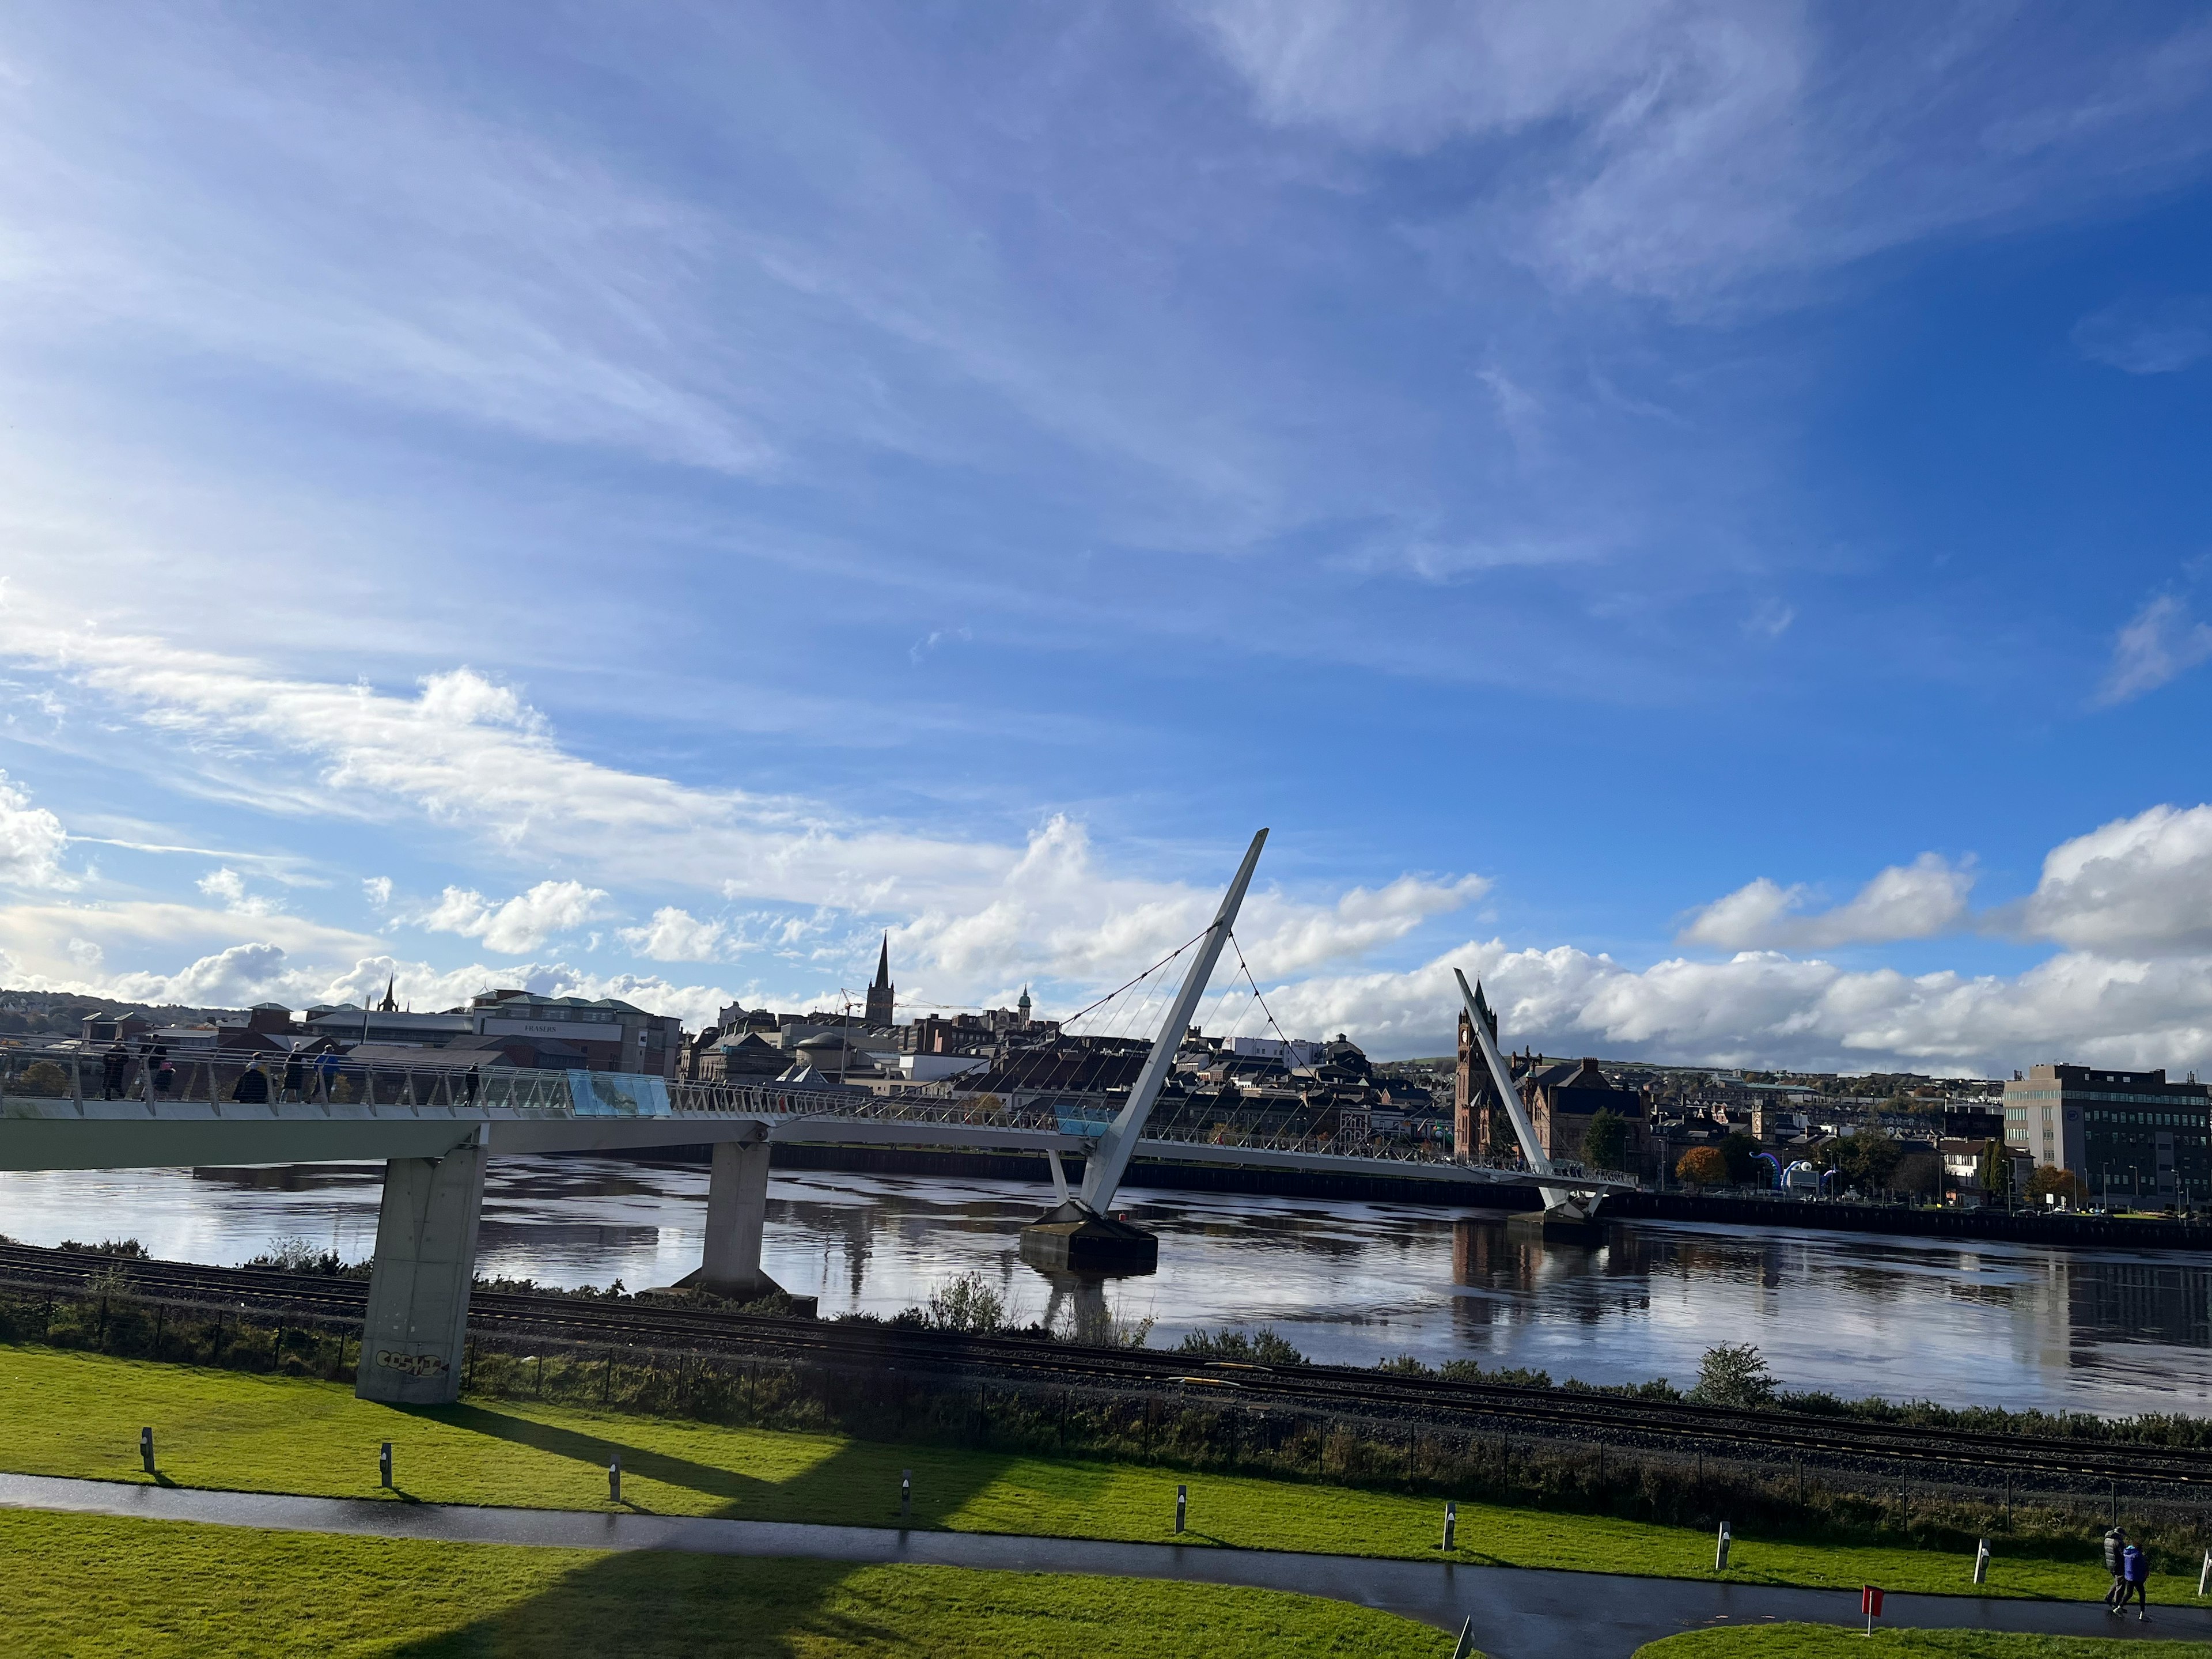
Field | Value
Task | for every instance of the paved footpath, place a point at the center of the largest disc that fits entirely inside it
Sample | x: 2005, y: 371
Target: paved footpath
x: 1518, y: 1613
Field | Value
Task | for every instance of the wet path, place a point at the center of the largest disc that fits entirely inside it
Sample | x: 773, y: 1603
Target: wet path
x: 1518, y: 1614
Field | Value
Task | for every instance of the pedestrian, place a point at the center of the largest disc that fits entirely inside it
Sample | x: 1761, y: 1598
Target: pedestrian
x: 2116, y: 1542
x: 252, y: 1088
x: 113, y: 1065
x: 2134, y: 1580
x: 160, y: 1076
x: 295, y: 1077
x: 326, y: 1072
x: 472, y: 1085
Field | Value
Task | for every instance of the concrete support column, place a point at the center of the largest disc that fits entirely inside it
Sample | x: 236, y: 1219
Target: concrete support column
x: 736, y: 1207
x: 418, y: 1294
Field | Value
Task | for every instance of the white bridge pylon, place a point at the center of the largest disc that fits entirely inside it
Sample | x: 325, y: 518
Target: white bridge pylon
x: 1568, y: 1202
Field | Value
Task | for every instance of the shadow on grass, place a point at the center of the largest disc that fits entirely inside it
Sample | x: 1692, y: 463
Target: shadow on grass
x: 726, y: 1484
x: 646, y: 1604
x: 659, y: 1606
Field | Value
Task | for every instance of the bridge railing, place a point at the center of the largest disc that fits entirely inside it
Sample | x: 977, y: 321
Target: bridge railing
x: 456, y: 1084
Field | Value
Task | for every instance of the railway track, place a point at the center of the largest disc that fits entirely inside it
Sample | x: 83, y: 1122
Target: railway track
x: 1477, y: 1408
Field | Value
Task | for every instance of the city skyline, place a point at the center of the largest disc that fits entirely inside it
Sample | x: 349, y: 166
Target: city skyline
x: 1694, y: 518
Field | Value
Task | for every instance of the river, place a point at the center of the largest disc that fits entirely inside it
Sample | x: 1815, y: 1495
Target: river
x: 2015, y: 1325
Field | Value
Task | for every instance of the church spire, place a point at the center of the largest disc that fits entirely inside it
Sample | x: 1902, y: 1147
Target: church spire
x: 880, y: 1002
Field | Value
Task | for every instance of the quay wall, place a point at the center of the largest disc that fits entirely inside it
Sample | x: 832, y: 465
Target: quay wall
x: 1710, y: 1209
x: 2015, y: 1226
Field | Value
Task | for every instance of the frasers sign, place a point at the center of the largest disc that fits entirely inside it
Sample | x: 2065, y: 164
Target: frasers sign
x: 562, y: 1030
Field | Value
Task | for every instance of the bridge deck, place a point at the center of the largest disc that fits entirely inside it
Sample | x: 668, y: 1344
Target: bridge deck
x: 380, y: 1113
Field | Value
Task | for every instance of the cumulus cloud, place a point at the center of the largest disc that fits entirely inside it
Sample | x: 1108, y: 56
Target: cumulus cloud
x: 675, y: 934
x: 377, y: 891
x: 1911, y: 901
x: 2160, y: 641
x: 467, y: 753
x: 1768, y: 1009
x: 31, y: 842
x: 2140, y: 885
x: 225, y: 886
x: 1057, y: 914
x: 525, y: 922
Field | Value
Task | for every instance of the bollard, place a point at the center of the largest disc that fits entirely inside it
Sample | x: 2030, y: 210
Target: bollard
x: 1982, y: 1563
x: 614, y: 1478
x: 146, y: 1448
x: 384, y: 1466
x: 906, y: 1493
x: 1451, y: 1522
x: 1183, y: 1498
x: 1721, y: 1549
x: 2205, y: 1578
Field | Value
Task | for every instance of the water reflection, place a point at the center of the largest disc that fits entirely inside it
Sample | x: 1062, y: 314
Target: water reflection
x: 1994, y: 1323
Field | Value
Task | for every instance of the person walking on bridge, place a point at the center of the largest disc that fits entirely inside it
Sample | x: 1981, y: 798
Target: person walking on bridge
x: 295, y: 1077
x: 113, y: 1065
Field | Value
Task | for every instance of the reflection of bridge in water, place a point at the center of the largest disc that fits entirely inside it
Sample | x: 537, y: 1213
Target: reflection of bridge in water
x: 434, y: 1126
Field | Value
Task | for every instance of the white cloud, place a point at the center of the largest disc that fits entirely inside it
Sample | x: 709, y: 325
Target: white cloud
x: 2148, y: 336
x: 1914, y: 901
x: 525, y: 922
x: 377, y: 889
x: 69, y: 946
x: 1677, y: 147
x: 1763, y: 1008
x: 228, y: 886
x: 472, y: 754
x: 2161, y: 641
x: 675, y: 934
x: 31, y: 842
x: 2140, y: 885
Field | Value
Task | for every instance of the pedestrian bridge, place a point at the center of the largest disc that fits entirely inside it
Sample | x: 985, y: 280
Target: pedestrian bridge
x: 434, y: 1126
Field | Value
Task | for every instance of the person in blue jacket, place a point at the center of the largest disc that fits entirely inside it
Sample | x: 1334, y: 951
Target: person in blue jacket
x: 2134, y: 1580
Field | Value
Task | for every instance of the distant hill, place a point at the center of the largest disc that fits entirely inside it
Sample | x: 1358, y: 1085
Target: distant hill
x: 24, y: 1013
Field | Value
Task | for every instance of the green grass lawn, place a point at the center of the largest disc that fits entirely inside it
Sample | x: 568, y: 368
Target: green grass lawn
x: 1827, y: 1642
x: 79, y: 1414
x: 91, y: 1587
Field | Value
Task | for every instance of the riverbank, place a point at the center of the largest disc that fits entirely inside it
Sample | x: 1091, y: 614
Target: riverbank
x: 2050, y: 1227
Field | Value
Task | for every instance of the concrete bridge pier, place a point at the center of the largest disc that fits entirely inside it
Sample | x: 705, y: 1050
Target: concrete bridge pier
x: 411, y: 1342
x: 736, y: 1213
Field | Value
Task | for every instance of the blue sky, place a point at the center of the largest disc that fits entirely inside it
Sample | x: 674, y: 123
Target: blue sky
x: 1694, y: 512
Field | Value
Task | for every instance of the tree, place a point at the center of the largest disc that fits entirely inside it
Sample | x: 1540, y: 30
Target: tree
x: 1734, y: 1374
x: 2050, y: 1178
x: 43, y: 1077
x: 1605, y: 1143
x: 1740, y: 1153
x: 1703, y: 1166
x: 1997, y: 1171
x: 1919, y: 1172
x: 1867, y: 1160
